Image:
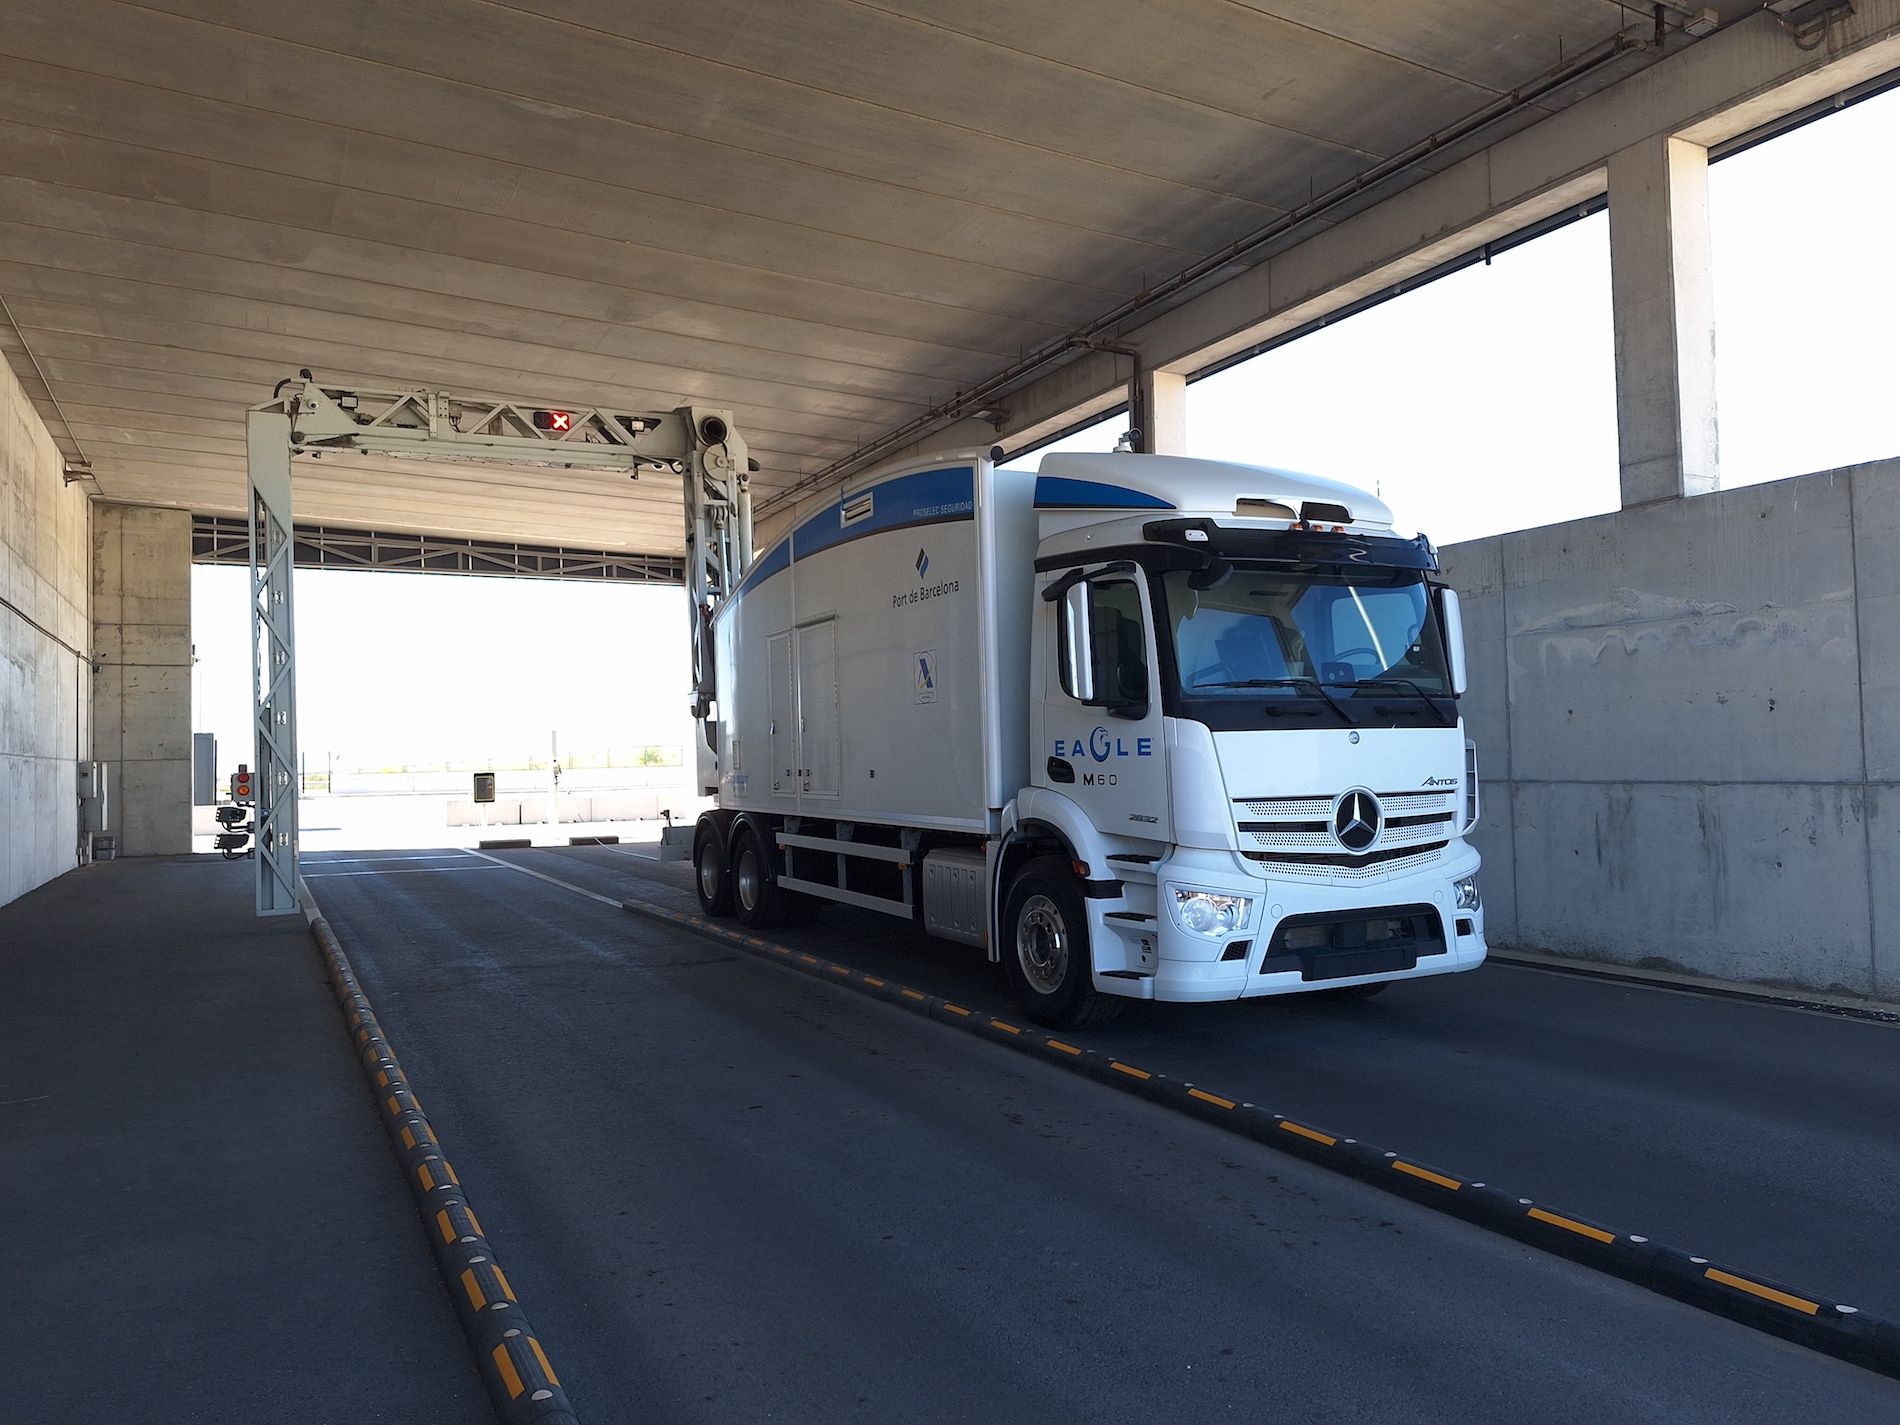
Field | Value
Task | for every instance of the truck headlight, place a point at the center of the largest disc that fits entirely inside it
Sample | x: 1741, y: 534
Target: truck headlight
x: 1205, y: 913
x: 1465, y: 889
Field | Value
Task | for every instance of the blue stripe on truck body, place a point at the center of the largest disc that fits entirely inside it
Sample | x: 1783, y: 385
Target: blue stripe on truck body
x: 1059, y: 492
x: 923, y: 497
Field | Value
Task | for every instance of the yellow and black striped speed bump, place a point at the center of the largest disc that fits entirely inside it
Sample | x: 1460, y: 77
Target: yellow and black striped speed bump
x: 509, y: 1357
x: 1805, y: 1317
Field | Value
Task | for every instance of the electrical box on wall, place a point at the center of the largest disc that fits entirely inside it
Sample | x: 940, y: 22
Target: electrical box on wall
x: 92, y: 780
x: 204, y: 769
x: 484, y: 786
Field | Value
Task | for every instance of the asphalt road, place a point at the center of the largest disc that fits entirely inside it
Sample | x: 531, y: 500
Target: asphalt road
x: 1758, y: 1135
x: 727, y: 1192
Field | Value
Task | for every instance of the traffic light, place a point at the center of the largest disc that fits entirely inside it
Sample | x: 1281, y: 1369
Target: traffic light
x: 241, y: 785
x: 554, y: 420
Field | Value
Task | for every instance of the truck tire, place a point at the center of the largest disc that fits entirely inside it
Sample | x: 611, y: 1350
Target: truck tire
x: 756, y: 898
x: 1046, y: 949
x: 712, y: 878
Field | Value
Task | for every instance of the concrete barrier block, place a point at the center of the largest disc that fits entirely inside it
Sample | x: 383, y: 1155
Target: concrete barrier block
x: 1495, y: 841
x: 1756, y: 883
x: 1883, y: 886
x: 1706, y: 639
x: 1876, y: 491
x: 1476, y: 571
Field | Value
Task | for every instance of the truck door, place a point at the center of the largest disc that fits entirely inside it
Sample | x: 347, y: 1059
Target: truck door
x: 818, y: 729
x: 782, y: 710
x: 1104, y: 747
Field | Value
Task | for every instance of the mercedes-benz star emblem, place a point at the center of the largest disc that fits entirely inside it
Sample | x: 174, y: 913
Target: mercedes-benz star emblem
x: 1357, y: 818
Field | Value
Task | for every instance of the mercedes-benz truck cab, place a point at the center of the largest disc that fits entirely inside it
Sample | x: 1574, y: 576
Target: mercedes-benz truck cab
x: 1144, y: 727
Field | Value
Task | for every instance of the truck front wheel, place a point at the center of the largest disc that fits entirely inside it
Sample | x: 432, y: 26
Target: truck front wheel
x: 1046, y: 949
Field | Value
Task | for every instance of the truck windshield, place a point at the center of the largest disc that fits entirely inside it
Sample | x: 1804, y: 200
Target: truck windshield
x: 1296, y: 631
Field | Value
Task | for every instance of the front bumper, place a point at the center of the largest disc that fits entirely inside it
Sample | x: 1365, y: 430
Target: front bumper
x: 1190, y: 968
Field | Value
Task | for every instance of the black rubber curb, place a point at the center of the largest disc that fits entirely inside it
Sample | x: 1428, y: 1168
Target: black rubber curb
x: 1811, y: 1320
x: 508, y: 1355
x: 506, y: 843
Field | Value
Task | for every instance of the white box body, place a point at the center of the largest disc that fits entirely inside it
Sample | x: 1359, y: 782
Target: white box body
x: 873, y: 665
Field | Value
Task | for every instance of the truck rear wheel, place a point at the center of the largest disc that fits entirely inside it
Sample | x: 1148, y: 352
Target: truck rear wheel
x: 1046, y: 949
x: 710, y: 876
x: 755, y: 894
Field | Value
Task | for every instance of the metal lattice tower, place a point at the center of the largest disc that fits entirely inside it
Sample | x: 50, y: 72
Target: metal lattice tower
x: 273, y: 663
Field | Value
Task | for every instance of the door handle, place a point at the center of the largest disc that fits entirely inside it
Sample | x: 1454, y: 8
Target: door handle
x: 1061, y: 770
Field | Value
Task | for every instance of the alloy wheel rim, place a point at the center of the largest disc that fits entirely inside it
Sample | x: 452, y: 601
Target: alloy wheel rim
x: 1042, y: 945
x: 746, y: 879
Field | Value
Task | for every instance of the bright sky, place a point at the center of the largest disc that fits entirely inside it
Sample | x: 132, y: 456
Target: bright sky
x: 1479, y: 404
x: 396, y: 668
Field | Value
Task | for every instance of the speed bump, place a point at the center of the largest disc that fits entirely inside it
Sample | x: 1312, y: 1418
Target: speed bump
x: 509, y: 1356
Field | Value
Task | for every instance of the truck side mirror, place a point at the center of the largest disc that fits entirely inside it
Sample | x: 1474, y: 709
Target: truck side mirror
x: 1078, y: 663
x: 1454, y: 620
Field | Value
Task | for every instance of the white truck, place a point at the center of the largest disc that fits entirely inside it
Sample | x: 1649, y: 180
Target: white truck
x: 1143, y: 727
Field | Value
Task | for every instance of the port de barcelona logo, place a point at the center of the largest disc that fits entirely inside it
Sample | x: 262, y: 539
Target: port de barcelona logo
x: 925, y: 590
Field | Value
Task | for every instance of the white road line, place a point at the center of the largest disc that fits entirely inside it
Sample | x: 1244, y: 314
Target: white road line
x: 625, y: 851
x: 551, y: 880
x: 412, y: 871
x: 356, y: 860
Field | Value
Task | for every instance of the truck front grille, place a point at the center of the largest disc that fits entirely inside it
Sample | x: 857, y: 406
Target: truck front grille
x: 1294, y: 835
x: 1341, y: 867
x: 1396, y: 804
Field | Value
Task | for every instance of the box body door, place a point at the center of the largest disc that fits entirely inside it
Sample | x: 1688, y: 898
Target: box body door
x: 819, y: 750
x: 782, y: 712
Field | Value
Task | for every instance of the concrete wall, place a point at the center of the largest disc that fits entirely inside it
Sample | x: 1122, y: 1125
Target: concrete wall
x: 1688, y: 720
x: 43, y: 670
x: 141, y: 690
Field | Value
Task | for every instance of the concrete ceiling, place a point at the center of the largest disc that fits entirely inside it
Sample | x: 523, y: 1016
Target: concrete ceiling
x: 828, y: 215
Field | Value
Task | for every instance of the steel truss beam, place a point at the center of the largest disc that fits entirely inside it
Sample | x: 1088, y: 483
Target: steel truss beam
x: 219, y: 539
x: 699, y: 446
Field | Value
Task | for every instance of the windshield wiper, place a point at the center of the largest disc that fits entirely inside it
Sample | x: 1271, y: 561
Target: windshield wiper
x: 1305, y: 683
x: 1406, y: 685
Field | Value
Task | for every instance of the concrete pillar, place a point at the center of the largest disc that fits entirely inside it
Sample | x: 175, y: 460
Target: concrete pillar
x: 1161, y: 413
x: 44, y: 670
x: 141, y: 685
x: 1665, y: 320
